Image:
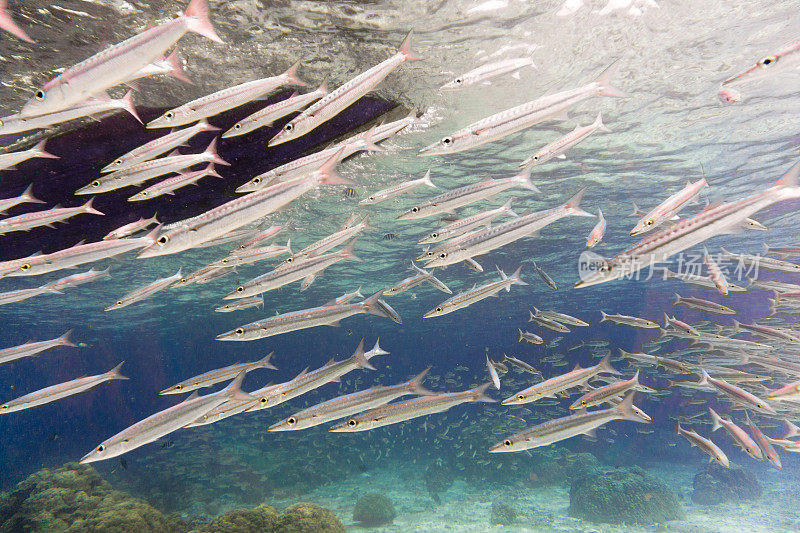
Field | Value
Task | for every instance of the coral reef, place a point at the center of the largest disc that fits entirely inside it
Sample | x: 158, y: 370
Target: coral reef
x: 438, y: 478
x: 260, y: 519
x: 556, y: 466
x: 627, y: 495
x: 307, y: 518
x: 503, y: 514
x: 715, y: 485
x: 374, y: 509
x: 75, y: 498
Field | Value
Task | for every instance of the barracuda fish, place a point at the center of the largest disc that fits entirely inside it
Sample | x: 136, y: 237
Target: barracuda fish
x: 522, y: 365
x: 455, y: 198
x: 626, y: 320
x: 790, y: 392
x: 490, y: 365
x: 706, y: 446
x: 71, y: 257
x: 484, y: 241
x: 169, y: 65
x: 736, y: 394
x: 397, y: 190
x: 703, y: 305
x: 528, y: 338
x: 715, y: 273
x: 672, y: 365
x: 145, y: 170
x: 134, y: 227
x: 547, y: 279
x: 348, y: 232
x: 60, y: 391
x: 340, y: 99
x: 158, y: 146
x: 232, y: 236
x: 239, y: 212
x: 170, y: 185
x: 117, y: 62
x: 767, y: 331
x: 8, y: 160
x: 270, y: 233
x: 476, y: 294
x: 8, y: 24
x: 598, y: 231
x: 784, y: 59
x: 410, y: 409
x: 225, y: 99
x: 545, y: 322
x: 300, y: 270
x: 327, y: 315
x: 784, y: 251
x: 214, y: 273
x: 557, y: 148
x: 100, y: 103
x: 26, y: 197
x: 668, y: 210
x: 265, y: 117
x: 773, y: 285
x: 464, y: 225
x: 244, y: 303
x: 739, y: 436
x: 700, y: 281
x: 583, y: 423
x: 562, y: 318
x: 79, y: 279
x: 252, y: 255
x: 29, y: 221
x: 484, y: 73
x: 603, y: 394
x: 721, y: 340
x: 549, y: 388
x: 145, y: 292
x: 671, y: 321
x: 713, y: 221
x: 165, y: 422
x: 521, y: 117
x: 351, y: 404
x: 760, y: 261
x: 219, y: 375
x: 763, y: 442
x: 421, y: 277
x: 31, y: 348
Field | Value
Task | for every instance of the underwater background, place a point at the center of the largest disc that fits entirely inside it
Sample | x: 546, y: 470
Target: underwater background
x: 435, y: 471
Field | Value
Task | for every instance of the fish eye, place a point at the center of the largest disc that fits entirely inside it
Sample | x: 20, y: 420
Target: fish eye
x: 536, y: 157
x: 748, y: 450
x: 39, y: 95
x: 288, y: 127
x: 507, y: 442
x: 119, y: 302
x: 459, y: 81
x: 263, y: 399
x: 352, y: 422
x: 760, y: 405
x: 178, y: 387
x: 101, y: 448
x: 583, y: 402
x: 434, y: 235
x: 237, y: 126
x: 117, y: 162
x: 256, y: 180
x: 290, y: 259
x: 291, y: 421
x: 438, y: 309
x: 163, y: 239
x: 648, y: 222
x: 520, y: 396
x: 443, y: 255
x: 239, y: 331
x: 3, y: 406
x: 239, y: 289
x: 447, y: 140
x: 169, y: 114
x: 767, y: 61
x: 95, y: 183
x: 415, y: 209
x: 144, y: 193
x: 372, y: 198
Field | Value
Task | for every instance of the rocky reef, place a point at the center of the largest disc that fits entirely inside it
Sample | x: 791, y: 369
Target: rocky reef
x: 438, y: 478
x: 558, y: 465
x: 715, y: 485
x: 74, y: 498
x: 623, y: 495
x: 503, y: 514
x: 374, y: 509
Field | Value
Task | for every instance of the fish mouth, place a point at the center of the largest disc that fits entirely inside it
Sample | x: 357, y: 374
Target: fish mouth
x: 150, y: 251
x: 227, y: 336
x: 430, y: 150
x: 89, y: 458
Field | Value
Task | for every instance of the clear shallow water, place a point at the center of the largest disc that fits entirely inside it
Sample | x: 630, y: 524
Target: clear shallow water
x: 671, y: 60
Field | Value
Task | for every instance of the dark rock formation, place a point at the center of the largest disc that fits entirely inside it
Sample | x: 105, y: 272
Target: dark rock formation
x: 716, y: 484
x: 374, y: 509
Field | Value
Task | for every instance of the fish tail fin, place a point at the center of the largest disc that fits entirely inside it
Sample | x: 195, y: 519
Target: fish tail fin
x: 376, y: 350
x: 703, y: 377
x: 265, y: 362
x: 205, y: 126
x: 415, y: 385
x: 261, y: 305
x: 211, y: 171
x: 372, y: 305
x: 516, y: 279
x: 327, y: 172
x: 234, y: 390
x: 211, y: 149
x: 436, y: 282
x: 114, y: 373
x: 506, y: 208
x: 605, y: 365
x: 524, y: 180
x: 677, y: 298
x: 519, y: 338
x: 716, y: 421
x: 127, y: 105
x: 41, y: 152
x: 737, y: 326
x: 348, y: 253
x: 323, y: 87
x: 176, y: 70
x: 292, y: 77
x: 369, y: 145
x: 479, y: 394
x: 28, y: 196
x: 405, y: 48
x: 605, y: 87
x: 791, y: 178
x: 573, y: 205
x: 598, y: 123
x: 426, y: 179
x: 360, y: 357
x: 604, y: 316
x: 626, y: 409
x: 199, y: 20
x: 64, y: 340
x: 87, y: 208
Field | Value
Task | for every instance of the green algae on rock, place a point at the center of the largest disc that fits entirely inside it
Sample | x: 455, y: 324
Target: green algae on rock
x: 307, y: 517
x: 624, y: 495
x: 257, y: 520
x: 374, y: 509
